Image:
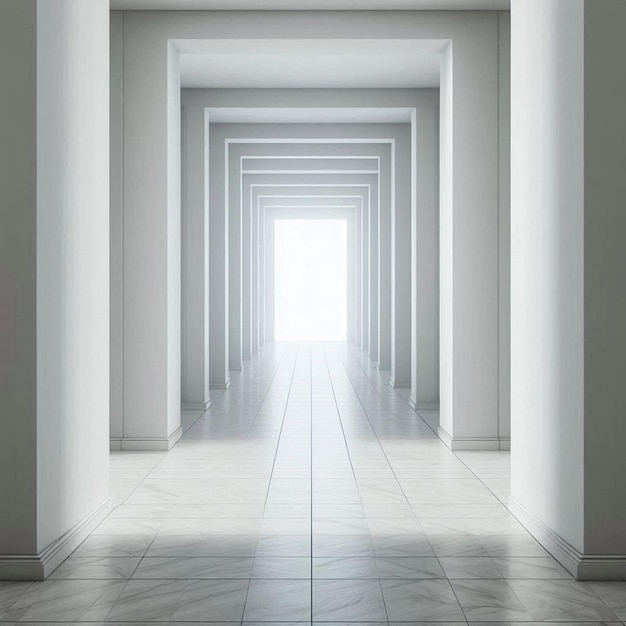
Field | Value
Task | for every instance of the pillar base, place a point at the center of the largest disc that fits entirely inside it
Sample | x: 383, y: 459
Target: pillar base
x: 222, y: 386
x: 40, y: 566
x: 195, y: 406
x: 423, y: 406
x: 398, y: 385
x: 581, y: 566
x: 474, y: 443
x: 146, y: 444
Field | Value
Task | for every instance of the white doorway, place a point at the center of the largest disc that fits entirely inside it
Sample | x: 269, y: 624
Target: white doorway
x: 310, y: 279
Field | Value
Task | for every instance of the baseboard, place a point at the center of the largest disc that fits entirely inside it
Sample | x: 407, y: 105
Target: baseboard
x: 581, y: 566
x: 146, y: 444
x: 222, y: 386
x: 423, y: 406
x: 473, y: 443
x: 40, y: 566
x: 195, y: 406
x: 395, y: 385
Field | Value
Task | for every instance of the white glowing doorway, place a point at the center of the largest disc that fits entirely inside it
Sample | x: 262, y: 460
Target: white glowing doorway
x: 310, y: 279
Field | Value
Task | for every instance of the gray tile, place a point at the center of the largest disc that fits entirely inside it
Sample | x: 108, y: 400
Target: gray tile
x: 283, y: 546
x: 183, y: 568
x: 487, y: 600
x: 353, y: 600
x: 533, y: 568
x: 96, y: 568
x: 561, y: 600
x: 470, y: 567
x: 344, y: 567
x: 613, y: 594
x: 65, y: 601
x: 214, y: 600
x: 282, y: 567
x: 342, y: 546
x: 278, y: 600
x: 153, y: 600
x: 10, y: 592
x: 410, y: 568
x: 113, y: 545
x: 420, y: 600
x: 401, y: 545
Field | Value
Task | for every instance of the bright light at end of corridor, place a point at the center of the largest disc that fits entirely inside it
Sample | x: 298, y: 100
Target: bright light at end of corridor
x: 310, y: 257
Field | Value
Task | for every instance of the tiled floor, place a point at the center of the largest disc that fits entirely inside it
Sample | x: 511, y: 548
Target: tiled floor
x: 310, y: 492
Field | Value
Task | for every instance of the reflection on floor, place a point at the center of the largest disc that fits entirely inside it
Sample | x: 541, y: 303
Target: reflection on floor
x: 310, y: 492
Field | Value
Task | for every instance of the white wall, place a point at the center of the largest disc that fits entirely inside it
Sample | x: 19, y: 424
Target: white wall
x: 116, y: 218
x: 64, y: 228
x: 504, y: 190
x: 567, y: 266
x: 605, y: 279
x: 18, y: 263
x: 470, y: 414
x: 547, y: 271
x: 425, y: 258
x: 151, y: 250
x: 469, y: 239
x: 195, y: 380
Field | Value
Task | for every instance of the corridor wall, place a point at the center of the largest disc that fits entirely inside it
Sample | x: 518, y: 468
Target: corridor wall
x: 469, y: 329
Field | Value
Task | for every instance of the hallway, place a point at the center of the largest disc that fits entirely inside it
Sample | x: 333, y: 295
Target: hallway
x: 310, y: 492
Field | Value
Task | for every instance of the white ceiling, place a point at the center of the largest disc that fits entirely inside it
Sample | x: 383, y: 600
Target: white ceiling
x: 329, y: 115
x: 303, y: 5
x: 309, y: 63
x: 309, y: 71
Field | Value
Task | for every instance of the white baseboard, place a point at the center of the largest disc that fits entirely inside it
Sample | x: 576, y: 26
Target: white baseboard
x: 473, y: 443
x: 146, y: 444
x: 581, y: 566
x: 423, y: 406
x: 221, y: 386
x: 395, y: 385
x: 40, y: 566
x: 195, y: 406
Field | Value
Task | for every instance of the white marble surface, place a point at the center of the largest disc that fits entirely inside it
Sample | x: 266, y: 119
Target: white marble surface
x: 310, y: 492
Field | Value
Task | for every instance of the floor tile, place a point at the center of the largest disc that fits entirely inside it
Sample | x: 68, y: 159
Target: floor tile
x: 216, y: 600
x: 352, y: 600
x: 310, y: 490
x: 187, y: 568
x: 420, y: 601
x: 96, y: 567
x: 278, y: 600
x: 65, y: 601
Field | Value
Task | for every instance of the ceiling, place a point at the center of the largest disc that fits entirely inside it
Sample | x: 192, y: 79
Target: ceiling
x: 303, y: 5
x: 309, y: 63
x: 329, y: 115
x: 309, y: 71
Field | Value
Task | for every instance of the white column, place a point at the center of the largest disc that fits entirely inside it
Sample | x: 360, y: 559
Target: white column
x: 469, y: 237
x: 218, y: 263
x: 567, y: 290
x: 195, y: 381
x: 235, y: 261
x: 383, y: 253
x: 401, y: 268
x: 54, y: 270
x: 425, y: 264
x: 152, y: 239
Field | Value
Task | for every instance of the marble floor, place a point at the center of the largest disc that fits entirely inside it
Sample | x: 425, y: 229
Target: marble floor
x: 310, y: 492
